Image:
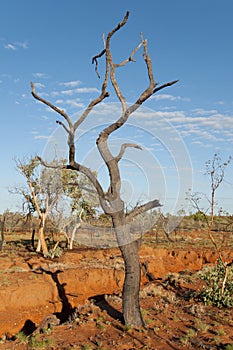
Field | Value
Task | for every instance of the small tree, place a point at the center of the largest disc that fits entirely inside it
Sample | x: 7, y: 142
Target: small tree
x: 215, y: 168
x: 111, y: 200
x: 76, y: 187
x: 41, y: 194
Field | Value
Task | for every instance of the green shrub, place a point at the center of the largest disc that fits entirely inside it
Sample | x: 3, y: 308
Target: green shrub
x: 57, y: 253
x: 228, y: 347
x: 214, y: 278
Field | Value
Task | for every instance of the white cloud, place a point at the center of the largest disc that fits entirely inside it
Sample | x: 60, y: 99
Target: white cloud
x: 197, y: 143
x: 70, y: 92
x: 72, y: 103
x: 23, y: 45
x: 71, y: 84
x: 179, y: 115
x: 10, y: 47
x: 202, y: 111
x: 59, y: 101
x: 40, y: 75
x: 38, y: 137
x: 169, y: 97
x: 75, y: 103
x: 67, y: 92
x: 79, y: 91
x: 199, y: 125
x: 16, y: 45
x: 44, y: 94
x: 210, y: 119
x: 39, y: 85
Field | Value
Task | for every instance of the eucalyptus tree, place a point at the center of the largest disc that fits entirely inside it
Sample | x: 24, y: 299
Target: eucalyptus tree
x: 78, y: 205
x: 111, y: 200
x: 40, y: 194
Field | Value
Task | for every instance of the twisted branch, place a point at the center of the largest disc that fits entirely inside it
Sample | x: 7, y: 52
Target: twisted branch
x: 94, y: 60
x: 123, y: 148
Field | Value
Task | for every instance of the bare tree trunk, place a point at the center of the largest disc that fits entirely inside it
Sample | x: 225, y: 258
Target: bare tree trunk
x: 131, y: 307
x: 41, y: 242
x: 2, y: 231
x: 73, y: 235
x: 33, y: 238
x: 130, y: 294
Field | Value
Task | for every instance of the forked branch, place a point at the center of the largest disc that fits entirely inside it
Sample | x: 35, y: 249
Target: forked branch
x: 142, y: 209
x: 76, y: 166
x: 95, y: 60
x: 130, y: 59
x: 102, y: 141
x: 49, y: 104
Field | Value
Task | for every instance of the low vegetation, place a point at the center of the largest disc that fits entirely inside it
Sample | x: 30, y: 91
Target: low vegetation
x: 214, y: 293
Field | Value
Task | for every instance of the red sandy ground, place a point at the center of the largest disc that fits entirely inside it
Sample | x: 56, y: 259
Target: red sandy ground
x: 83, y: 288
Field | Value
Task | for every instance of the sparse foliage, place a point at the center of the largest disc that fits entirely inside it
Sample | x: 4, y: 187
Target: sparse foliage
x: 215, y: 168
x: 46, y: 187
x: 215, y: 278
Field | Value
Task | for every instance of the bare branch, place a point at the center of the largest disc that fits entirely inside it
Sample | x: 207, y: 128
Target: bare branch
x: 109, y: 159
x: 94, y: 60
x: 109, y: 61
x: 93, y: 103
x: 49, y: 104
x: 72, y: 128
x: 130, y: 59
x: 92, y: 177
x: 123, y: 148
x: 84, y: 188
x: 50, y: 165
x: 121, y: 24
x: 148, y: 65
x: 142, y: 209
x: 151, y: 89
x: 63, y: 125
x: 85, y: 171
x: 165, y: 85
x: 104, y: 92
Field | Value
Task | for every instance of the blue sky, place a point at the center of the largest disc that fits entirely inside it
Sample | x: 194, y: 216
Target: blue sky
x: 52, y: 42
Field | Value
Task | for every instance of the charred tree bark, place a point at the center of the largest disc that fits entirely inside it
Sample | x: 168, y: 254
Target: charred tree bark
x: 129, y: 251
x: 2, y: 232
x: 33, y: 238
x: 131, y: 288
x: 130, y: 302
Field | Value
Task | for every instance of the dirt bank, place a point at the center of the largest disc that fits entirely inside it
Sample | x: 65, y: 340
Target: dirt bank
x: 33, y: 286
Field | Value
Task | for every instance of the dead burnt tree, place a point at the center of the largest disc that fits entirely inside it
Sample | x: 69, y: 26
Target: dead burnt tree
x: 2, y: 231
x: 111, y: 201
